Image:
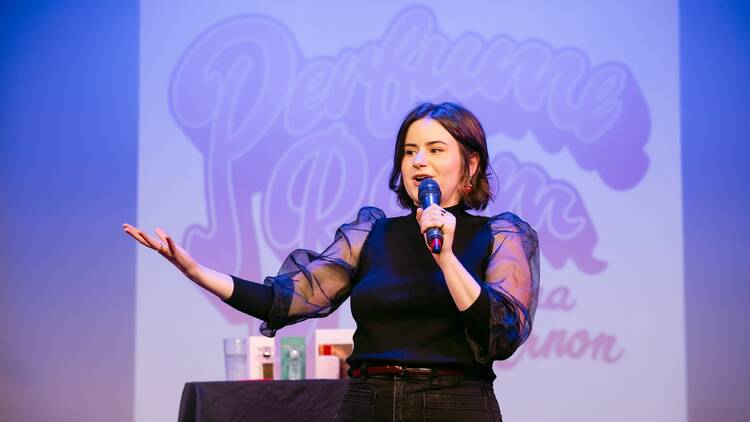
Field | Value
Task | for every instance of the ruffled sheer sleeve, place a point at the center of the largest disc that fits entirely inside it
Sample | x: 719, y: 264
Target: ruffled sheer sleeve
x: 312, y: 285
x: 510, y: 290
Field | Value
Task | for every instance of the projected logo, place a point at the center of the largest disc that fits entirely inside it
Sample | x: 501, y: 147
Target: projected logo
x: 312, y: 138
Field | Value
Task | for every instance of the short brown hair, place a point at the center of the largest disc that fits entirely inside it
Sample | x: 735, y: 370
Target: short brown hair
x: 467, y: 130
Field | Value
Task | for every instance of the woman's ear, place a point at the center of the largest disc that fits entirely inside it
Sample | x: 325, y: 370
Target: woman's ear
x: 473, y: 164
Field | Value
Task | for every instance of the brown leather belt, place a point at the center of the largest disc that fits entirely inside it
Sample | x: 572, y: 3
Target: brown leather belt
x: 404, y: 371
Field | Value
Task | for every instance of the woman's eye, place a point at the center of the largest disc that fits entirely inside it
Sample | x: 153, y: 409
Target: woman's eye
x: 434, y: 150
x: 409, y: 153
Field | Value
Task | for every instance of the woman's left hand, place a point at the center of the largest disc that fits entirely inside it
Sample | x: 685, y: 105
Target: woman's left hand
x: 436, y: 216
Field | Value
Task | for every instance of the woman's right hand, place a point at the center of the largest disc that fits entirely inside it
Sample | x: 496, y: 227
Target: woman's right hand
x: 166, y: 248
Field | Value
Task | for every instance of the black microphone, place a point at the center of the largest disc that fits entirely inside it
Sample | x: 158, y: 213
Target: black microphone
x: 429, y: 193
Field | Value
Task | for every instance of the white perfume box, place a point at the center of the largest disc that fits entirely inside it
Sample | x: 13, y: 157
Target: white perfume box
x: 261, y: 356
x: 330, y: 344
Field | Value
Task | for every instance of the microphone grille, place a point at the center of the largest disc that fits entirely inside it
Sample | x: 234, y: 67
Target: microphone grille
x: 429, y: 187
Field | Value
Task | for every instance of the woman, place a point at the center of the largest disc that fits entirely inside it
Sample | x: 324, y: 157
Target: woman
x: 429, y: 325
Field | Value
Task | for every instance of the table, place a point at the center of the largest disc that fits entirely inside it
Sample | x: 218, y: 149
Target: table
x: 306, y: 400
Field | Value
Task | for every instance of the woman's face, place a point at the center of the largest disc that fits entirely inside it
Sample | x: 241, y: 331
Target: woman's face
x: 431, y: 151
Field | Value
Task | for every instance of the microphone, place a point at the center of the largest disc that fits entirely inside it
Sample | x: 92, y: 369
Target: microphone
x: 429, y: 193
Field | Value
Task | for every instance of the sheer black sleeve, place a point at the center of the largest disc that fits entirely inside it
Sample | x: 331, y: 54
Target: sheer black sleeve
x: 511, y: 289
x: 312, y: 285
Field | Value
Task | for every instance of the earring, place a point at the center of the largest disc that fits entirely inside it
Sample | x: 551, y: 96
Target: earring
x: 466, y: 189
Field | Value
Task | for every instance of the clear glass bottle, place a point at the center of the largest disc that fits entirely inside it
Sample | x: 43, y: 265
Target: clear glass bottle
x: 294, y: 369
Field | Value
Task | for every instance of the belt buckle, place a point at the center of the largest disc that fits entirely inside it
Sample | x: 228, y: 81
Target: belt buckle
x: 404, y: 371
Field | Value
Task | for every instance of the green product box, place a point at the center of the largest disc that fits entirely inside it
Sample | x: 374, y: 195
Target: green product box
x: 292, y: 358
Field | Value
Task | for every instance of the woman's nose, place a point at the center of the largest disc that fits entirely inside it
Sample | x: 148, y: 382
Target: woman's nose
x: 418, y: 160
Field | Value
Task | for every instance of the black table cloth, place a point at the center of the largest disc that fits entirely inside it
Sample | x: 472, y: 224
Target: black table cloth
x: 307, y: 400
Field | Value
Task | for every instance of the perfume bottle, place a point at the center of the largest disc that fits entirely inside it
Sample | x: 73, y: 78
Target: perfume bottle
x: 266, y: 362
x: 294, y: 368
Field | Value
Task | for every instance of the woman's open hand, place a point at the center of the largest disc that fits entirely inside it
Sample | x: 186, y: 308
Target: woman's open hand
x: 166, y: 248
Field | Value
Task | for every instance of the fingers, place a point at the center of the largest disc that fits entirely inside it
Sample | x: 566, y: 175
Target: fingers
x: 162, y: 235
x: 170, y: 244
x: 432, y: 211
x: 153, y: 243
x: 164, y: 246
x: 135, y: 234
x: 434, y: 216
x: 144, y: 238
x: 167, y: 240
x: 433, y: 223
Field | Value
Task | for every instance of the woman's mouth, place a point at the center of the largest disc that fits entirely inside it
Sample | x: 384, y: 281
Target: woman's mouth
x: 419, y: 178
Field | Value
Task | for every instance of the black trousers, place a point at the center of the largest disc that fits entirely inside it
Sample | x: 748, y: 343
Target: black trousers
x: 397, y: 399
